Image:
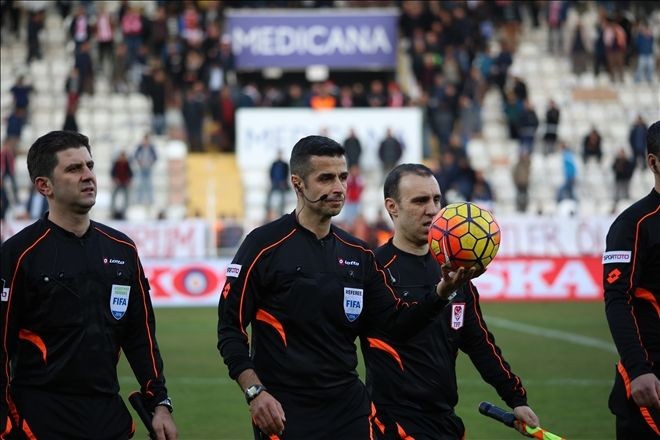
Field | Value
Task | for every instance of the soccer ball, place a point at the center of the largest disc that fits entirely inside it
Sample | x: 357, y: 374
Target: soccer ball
x: 464, y: 235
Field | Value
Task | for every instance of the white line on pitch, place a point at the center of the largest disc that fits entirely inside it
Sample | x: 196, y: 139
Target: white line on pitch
x: 551, y: 333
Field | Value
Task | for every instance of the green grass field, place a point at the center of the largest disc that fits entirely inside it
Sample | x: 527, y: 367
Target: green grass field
x: 562, y: 351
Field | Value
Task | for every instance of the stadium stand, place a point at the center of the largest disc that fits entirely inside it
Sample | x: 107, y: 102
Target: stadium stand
x: 117, y: 115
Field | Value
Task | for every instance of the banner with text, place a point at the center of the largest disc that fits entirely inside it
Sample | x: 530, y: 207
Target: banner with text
x: 161, y: 239
x: 350, y: 39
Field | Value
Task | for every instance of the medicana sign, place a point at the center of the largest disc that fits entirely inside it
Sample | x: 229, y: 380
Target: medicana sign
x: 353, y: 39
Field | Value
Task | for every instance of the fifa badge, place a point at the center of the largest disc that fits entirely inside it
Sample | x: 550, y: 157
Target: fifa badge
x: 119, y: 300
x: 352, y: 303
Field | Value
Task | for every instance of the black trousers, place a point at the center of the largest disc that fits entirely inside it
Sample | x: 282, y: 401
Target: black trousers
x: 337, y: 414
x: 55, y: 416
x: 398, y: 422
x: 632, y: 422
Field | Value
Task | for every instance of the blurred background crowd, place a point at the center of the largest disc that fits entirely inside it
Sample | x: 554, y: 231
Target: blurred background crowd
x: 530, y: 107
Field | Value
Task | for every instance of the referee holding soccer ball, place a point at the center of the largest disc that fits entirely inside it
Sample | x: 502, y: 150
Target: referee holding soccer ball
x: 413, y: 382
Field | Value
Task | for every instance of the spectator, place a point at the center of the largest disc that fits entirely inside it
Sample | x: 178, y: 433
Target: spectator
x: 579, y: 48
x: 105, y: 27
x: 591, y: 146
x: 157, y: 92
x: 145, y: 156
x: 465, y: 177
x: 15, y: 123
x: 34, y: 28
x: 637, y: 139
x: 521, y: 179
x: 567, y: 189
x: 279, y: 186
x: 614, y: 39
x: 623, y: 168
x: 644, y: 47
x: 389, y: 151
x: 527, y: 126
x: 377, y: 96
x: 120, y: 68
x: 80, y: 29
x: 36, y: 205
x: 482, y: 193
x: 122, y: 175
x: 354, y: 188
x: 193, y: 109
x: 552, y: 116
x: 322, y: 98
x: 84, y: 64
x: 8, y: 171
x: 21, y: 93
x: 353, y: 148
x: 556, y: 17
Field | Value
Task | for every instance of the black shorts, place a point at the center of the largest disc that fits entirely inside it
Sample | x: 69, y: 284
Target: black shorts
x: 55, y: 416
x: 398, y: 422
x: 632, y: 422
x: 337, y: 414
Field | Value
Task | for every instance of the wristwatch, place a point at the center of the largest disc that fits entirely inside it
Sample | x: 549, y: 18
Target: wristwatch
x: 253, y: 391
x: 167, y: 403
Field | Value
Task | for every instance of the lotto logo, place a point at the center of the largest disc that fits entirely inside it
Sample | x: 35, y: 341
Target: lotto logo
x: 613, y: 275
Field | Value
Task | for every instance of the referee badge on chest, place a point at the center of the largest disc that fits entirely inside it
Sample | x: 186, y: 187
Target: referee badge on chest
x: 119, y: 300
x: 352, y: 303
x: 457, y: 315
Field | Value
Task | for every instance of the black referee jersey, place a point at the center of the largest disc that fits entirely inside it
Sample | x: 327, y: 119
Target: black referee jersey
x: 631, y: 281
x: 69, y: 306
x: 307, y: 300
x: 417, y: 377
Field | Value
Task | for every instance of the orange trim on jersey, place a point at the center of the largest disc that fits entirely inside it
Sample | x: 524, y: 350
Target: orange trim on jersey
x: 7, y: 428
x: 386, y: 265
x: 5, y: 367
x: 649, y: 419
x: 625, y: 377
x: 402, y: 433
x: 642, y: 409
x: 247, y: 275
x: 269, y: 319
x: 482, y: 325
x: 374, y: 419
x: 144, y: 298
x: 29, y: 336
x: 387, y: 348
x: 274, y: 437
x: 646, y: 295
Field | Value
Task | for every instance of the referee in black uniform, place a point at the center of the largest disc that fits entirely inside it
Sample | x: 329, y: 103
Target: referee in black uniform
x: 74, y: 296
x: 413, y: 383
x: 308, y: 289
x: 631, y: 280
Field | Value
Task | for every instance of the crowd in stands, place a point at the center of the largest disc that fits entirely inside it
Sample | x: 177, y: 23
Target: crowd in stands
x: 178, y: 55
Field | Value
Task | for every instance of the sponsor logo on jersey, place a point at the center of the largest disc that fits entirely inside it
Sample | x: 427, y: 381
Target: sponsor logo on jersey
x: 119, y: 300
x: 233, y: 270
x: 352, y: 303
x: 4, y: 296
x: 616, y: 257
x: 344, y: 262
x: 113, y: 261
x: 457, y: 315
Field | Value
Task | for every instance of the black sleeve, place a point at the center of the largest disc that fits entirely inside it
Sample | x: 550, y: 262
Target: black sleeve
x: 236, y: 308
x: 139, y: 341
x: 479, y: 343
x: 620, y: 277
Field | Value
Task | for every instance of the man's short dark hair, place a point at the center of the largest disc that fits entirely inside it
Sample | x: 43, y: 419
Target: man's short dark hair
x: 310, y: 146
x: 42, y: 156
x: 391, y: 185
x: 653, y: 139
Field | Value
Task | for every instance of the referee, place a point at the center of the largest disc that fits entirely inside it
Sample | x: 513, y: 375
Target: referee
x: 309, y: 289
x: 74, y: 296
x: 413, y: 382
x: 631, y: 280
